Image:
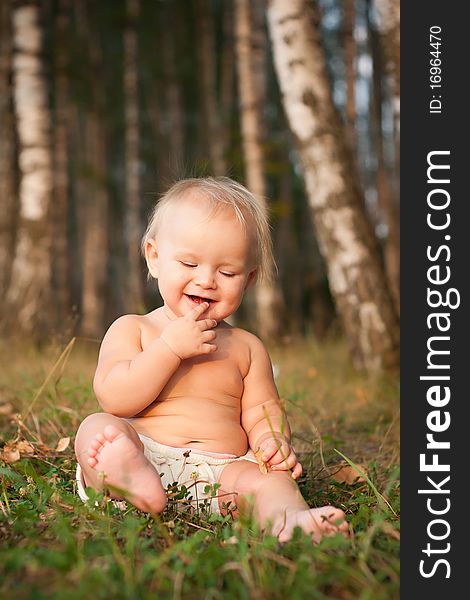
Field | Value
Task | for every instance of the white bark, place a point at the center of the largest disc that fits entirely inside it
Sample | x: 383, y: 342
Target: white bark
x: 29, y: 291
x: 346, y: 242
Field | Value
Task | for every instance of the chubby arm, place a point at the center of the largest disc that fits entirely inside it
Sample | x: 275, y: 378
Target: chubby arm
x: 128, y: 378
x: 263, y: 418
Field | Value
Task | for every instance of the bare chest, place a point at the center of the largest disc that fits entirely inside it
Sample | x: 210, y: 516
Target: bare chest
x: 217, y: 376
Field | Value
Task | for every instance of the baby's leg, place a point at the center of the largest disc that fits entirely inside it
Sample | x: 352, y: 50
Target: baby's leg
x: 109, y: 449
x: 278, y: 501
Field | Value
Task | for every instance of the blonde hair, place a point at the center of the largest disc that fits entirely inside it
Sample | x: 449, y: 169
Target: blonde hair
x: 221, y: 191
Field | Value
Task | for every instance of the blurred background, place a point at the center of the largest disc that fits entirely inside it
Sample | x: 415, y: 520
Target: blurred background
x: 103, y: 105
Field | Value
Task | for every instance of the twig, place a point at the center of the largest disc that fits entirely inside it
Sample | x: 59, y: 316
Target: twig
x: 199, y: 527
x: 64, y: 354
x: 379, y: 496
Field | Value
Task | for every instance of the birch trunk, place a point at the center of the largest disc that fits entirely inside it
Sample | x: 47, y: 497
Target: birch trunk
x: 8, y: 167
x: 346, y: 241
x: 251, y: 64
x: 29, y: 292
x: 387, y: 197
x: 133, y: 226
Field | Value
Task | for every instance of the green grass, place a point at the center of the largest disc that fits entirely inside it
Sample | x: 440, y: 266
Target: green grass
x: 54, y: 546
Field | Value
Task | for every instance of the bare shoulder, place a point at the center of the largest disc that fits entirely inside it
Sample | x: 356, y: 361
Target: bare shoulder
x: 250, y: 339
x: 124, y: 326
x: 255, y: 350
x: 122, y: 341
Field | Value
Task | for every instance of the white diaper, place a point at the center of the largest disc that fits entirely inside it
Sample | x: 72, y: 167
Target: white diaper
x: 195, y: 469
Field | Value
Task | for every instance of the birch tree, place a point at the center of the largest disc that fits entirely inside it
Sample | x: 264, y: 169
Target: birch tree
x: 251, y: 65
x: 29, y: 293
x: 346, y: 241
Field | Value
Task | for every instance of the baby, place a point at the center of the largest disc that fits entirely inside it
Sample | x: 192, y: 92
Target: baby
x: 187, y: 398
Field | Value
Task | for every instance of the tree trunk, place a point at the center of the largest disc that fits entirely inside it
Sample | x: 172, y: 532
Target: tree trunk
x: 8, y: 167
x: 133, y: 226
x: 388, y: 12
x: 60, y: 208
x: 92, y: 195
x: 29, y: 293
x: 346, y: 241
x: 251, y: 63
x: 349, y: 45
x: 208, y: 78
x: 166, y: 99
x: 93, y: 201
x: 387, y: 198
x: 227, y: 75
x: 289, y: 265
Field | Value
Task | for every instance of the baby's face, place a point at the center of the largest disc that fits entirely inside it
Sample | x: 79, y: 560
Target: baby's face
x: 198, y: 258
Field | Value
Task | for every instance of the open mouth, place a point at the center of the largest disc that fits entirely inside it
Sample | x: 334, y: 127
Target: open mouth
x: 199, y: 299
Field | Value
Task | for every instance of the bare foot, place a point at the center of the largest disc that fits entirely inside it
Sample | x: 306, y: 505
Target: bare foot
x: 125, y: 467
x: 326, y: 520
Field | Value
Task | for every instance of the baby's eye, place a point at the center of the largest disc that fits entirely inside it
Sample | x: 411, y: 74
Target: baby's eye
x: 187, y: 264
x: 227, y: 274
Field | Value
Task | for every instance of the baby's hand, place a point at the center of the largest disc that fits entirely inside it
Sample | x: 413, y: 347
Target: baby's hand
x: 187, y: 337
x: 279, y: 455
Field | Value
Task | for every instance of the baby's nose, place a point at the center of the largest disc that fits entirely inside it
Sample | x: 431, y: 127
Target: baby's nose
x: 205, y: 279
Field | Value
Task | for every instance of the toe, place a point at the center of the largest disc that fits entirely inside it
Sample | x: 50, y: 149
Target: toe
x: 284, y: 536
x: 335, y: 522
x: 111, y: 433
x: 334, y: 515
x: 99, y: 439
x: 94, y: 446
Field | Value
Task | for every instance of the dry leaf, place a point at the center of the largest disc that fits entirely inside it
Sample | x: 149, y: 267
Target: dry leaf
x: 347, y: 474
x: 10, y: 454
x: 12, y: 451
x: 25, y: 447
x: 262, y: 465
x: 62, y: 444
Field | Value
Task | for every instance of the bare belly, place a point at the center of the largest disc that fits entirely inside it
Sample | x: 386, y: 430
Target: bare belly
x: 194, y: 423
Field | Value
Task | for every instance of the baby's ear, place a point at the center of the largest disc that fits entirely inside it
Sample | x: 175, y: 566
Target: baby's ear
x: 151, y: 257
x: 252, y: 276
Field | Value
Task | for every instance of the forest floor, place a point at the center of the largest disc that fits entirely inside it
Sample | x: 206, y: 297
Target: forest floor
x: 54, y: 546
